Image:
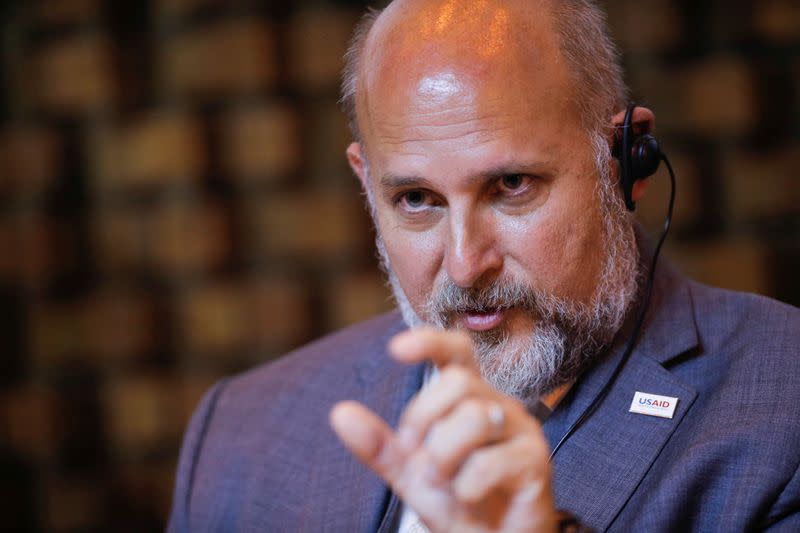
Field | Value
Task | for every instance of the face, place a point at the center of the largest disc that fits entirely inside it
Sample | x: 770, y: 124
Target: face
x: 484, y: 189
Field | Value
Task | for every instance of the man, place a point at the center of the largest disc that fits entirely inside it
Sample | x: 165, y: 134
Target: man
x: 483, y: 135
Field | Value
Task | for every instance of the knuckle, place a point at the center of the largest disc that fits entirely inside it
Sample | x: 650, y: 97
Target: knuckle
x: 456, y: 378
x: 435, y: 435
x: 529, y: 446
x: 473, y: 411
x: 532, y: 451
x: 482, y: 464
x: 400, y: 483
x: 477, y: 480
x: 412, y: 413
x: 437, y: 443
x: 469, y: 494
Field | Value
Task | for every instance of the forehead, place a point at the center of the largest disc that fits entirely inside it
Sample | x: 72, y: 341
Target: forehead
x: 449, y: 71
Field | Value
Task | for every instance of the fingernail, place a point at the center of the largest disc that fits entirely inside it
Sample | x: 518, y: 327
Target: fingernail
x: 400, y: 342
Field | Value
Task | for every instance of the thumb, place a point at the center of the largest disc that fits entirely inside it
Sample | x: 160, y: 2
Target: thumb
x: 368, y: 438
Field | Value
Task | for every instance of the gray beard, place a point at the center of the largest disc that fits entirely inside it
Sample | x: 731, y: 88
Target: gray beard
x: 568, y: 335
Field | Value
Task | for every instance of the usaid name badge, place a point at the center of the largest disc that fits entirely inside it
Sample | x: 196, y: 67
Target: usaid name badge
x: 653, y: 404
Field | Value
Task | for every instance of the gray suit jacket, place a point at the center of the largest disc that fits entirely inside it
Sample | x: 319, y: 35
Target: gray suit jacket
x: 259, y: 454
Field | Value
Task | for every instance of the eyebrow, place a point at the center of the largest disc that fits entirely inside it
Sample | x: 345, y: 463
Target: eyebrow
x: 394, y: 181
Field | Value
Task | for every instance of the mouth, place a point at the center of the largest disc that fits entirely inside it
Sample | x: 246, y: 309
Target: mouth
x: 482, y: 320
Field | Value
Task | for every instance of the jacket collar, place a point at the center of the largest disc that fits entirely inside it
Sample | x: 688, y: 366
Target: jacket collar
x: 601, y: 464
x: 669, y: 328
x: 386, y: 387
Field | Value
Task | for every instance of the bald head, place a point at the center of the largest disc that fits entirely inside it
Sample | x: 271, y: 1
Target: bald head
x: 429, y: 67
x: 485, y: 41
x: 476, y: 32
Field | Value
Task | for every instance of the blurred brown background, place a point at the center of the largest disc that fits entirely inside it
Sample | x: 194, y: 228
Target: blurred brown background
x: 175, y: 206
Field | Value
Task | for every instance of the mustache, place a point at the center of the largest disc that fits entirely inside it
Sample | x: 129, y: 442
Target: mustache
x: 450, y: 299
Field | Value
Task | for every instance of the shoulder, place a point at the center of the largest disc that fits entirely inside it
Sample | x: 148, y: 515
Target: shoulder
x: 745, y: 322
x: 251, y: 429
x: 748, y: 364
x: 292, y: 394
x: 738, y: 439
x: 334, y: 358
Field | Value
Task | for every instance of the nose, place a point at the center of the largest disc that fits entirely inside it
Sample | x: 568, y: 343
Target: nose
x: 471, y: 253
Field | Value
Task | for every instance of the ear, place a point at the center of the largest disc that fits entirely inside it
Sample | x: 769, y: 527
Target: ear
x: 644, y: 121
x: 357, y: 162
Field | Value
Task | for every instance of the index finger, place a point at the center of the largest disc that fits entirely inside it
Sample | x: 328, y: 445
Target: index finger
x: 443, y: 347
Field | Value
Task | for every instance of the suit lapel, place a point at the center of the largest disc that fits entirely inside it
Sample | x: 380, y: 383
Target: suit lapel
x: 387, y: 393
x: 360, y: 498
x: 604, y: 461
x: 599, y: 467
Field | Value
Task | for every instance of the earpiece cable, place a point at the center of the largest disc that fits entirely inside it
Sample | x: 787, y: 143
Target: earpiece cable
x: 637, y: 327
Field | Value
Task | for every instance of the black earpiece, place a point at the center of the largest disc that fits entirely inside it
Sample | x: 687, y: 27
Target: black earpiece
x: 639, y: 156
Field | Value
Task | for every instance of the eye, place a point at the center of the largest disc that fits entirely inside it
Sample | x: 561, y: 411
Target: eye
x: 415, y: 200
x: 513, y: 183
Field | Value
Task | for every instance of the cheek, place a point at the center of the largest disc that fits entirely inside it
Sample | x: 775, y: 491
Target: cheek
x: 415, y: 260
x: 578, y: 260
x: 559, y: 251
